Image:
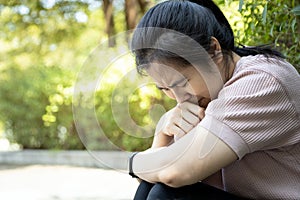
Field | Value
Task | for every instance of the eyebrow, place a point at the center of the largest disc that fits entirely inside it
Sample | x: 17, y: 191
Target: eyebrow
x: 177, y: 82
x: 173, y: 85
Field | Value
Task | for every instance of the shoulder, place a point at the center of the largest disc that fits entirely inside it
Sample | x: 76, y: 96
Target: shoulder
x: 258, y: 80
x: 269, y: 76
x: 260, y: 105
x: 278, y: 68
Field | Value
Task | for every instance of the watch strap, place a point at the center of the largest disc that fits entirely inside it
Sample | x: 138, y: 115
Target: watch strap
x: 131, y: 173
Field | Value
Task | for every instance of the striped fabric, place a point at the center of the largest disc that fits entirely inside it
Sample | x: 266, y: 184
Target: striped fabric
x: 257, y: 113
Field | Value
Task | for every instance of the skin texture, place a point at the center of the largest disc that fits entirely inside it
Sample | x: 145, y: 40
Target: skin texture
x: 182, y: 152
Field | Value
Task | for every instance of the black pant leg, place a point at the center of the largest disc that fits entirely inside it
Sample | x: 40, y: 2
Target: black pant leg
x: 204, y: 192
x: 143, y: 190
x: 196, y: 191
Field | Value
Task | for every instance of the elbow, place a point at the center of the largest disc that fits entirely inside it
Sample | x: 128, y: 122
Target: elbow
x: 169, y: 177
x: 174, y: 178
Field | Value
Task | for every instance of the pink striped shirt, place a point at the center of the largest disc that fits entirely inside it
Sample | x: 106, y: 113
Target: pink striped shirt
x: 257, y: 114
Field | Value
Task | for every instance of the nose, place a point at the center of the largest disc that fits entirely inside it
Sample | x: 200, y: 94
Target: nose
x: 181, y: 95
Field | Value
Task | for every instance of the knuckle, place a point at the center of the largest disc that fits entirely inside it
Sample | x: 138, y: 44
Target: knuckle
x: 192, y: 119
x: 189, y: 127
x: 195, y: 121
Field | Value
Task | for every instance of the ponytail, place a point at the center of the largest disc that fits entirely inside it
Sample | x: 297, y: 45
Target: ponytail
x: 266, y: 50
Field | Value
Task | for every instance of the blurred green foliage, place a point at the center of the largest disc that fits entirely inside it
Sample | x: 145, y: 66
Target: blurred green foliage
x: 271, y: 22
x: 36, y: 107
x: 44, y: 44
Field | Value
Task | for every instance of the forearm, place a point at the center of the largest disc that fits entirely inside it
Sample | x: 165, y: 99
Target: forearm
x: 147, y: 165
x: 187, y: 161
x: 159, y: 165
x: 152, y: 165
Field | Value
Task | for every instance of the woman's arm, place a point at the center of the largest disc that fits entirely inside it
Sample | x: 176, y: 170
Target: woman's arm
x: 194, y: 157
x: 160, y: 138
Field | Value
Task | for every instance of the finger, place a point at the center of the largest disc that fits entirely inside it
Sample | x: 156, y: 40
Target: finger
x: 184, y: 125
x: 193, y: 108
x: 174, y: 130
x: 178, y: 136
x: 190, y: 118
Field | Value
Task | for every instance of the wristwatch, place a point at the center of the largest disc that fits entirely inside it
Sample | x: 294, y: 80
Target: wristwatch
x: 130, y: 165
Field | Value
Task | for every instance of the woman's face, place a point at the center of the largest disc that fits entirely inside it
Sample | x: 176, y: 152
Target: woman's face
x: 181, y: 84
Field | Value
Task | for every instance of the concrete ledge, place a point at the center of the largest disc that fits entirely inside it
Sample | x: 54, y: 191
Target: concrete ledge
x: 102, y: 159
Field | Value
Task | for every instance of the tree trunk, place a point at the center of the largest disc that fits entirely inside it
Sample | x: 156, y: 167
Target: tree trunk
x: 130, y: 14
x: 109, y: 20
x: 143, y: 5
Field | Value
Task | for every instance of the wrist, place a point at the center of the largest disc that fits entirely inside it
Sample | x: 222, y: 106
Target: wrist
x: 131, y: 173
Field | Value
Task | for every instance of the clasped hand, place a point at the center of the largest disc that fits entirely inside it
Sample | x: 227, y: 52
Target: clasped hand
x: 181, y: 119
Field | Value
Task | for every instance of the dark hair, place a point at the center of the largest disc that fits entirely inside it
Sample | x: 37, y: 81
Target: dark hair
x: 241, y: 50
x: 198, y: 19
x: 220, y: 18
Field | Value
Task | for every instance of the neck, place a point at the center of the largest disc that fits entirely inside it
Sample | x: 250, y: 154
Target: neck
x: 227, y: 66
x: 235, y: 59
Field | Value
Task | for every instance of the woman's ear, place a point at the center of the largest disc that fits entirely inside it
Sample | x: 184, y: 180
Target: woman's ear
x: 215, y: 51
x: 214, y: 44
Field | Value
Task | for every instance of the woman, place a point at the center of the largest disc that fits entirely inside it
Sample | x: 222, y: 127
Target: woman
x: 236, y: 129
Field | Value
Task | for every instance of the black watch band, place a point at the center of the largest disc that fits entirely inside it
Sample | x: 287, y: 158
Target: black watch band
x: 130, y: 166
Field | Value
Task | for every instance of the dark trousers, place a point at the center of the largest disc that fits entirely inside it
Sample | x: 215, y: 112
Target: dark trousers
x: 159, y: 191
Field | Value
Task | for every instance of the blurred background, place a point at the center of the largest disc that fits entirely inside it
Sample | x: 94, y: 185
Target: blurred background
x: 44, y: 44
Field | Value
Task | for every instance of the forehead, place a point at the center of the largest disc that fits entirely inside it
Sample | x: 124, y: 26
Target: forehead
x: 163, y: 73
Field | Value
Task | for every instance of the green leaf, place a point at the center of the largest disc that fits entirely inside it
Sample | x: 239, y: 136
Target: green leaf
x: 264, y: 14
x: 296, y: 10
x: 271, y: 31
x: 293, y: 25
x: 252, y: 25
x: 241, y: 3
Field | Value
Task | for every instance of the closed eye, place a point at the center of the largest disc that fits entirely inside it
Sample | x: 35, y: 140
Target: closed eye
x: 184, y: 83
x: 162, y: 88
x: 180, y: 84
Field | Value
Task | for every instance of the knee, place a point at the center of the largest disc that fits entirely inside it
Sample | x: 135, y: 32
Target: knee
x: 161, y: 192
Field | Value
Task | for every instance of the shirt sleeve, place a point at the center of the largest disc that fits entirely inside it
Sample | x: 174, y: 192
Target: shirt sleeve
x: 252, y: 113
